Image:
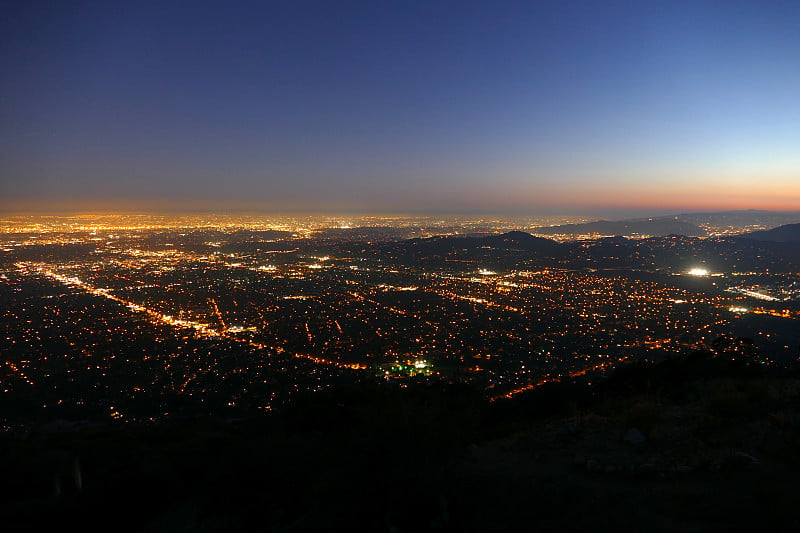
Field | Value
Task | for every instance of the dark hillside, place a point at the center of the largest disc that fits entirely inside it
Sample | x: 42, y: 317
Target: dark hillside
x: 787, y: 233
x: 701, y: 443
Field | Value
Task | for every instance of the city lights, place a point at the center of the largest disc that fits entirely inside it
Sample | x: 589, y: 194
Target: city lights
x: 236, y: 309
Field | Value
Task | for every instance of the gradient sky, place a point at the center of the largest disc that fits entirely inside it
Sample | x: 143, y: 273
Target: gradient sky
x: 540, y: 107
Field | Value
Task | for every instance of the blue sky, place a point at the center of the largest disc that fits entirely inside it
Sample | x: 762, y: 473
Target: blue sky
x: 400, y: 106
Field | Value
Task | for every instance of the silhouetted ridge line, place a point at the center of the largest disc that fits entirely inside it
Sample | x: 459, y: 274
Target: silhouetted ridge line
x: 656, y: 227
x: 513, y: 240
x: 786, y: 233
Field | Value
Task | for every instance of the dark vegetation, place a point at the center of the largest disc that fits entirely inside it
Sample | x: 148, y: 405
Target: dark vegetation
x: 705, y: 442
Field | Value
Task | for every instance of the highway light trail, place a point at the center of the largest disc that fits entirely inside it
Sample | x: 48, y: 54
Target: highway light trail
x: 201, y: 328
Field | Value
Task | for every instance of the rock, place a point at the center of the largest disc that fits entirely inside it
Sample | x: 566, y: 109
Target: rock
x: 634, y: 437
x: 749, y: 457
x: 741, y: 460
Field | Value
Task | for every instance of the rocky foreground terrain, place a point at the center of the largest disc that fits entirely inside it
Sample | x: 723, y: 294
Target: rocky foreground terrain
x: 691, y: 444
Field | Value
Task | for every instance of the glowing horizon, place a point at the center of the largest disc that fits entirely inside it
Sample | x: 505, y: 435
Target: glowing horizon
x: 511, y: 107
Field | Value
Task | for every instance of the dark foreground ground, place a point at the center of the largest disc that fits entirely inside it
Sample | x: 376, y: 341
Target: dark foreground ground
x: 687, y: 445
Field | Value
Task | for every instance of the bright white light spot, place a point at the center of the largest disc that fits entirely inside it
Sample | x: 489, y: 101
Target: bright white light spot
x: 698, y: 272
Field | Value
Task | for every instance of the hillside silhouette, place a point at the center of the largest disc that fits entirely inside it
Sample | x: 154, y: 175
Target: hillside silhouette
x: 706, y: 442
x: 785, y: 233
x: 658, y: 227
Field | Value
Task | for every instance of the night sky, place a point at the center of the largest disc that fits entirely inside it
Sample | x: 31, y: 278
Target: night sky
x: 525, y: 107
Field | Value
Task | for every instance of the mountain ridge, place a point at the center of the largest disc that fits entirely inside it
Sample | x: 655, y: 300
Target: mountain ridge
x: 786, y: 233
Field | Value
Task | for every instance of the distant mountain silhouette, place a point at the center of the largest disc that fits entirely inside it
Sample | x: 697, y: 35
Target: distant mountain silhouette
x: 479, y: 246
x: 520, y: 250
x: 658, y: 227
x: 519, y: 240
x: 740, y: 218
x: 787, y: 233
